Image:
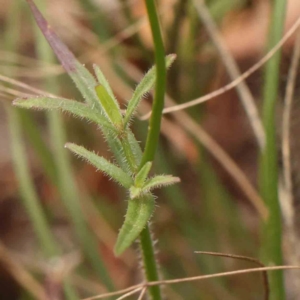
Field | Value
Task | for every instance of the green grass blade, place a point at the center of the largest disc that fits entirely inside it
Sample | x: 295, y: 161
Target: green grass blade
x: 27, y: 190
x: 272, y: 231
x: 40, y: 147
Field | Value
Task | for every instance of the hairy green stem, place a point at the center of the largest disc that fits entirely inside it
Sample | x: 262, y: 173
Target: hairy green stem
x: 147, y: 247
x: 272, y: 231
x: 149, y: 261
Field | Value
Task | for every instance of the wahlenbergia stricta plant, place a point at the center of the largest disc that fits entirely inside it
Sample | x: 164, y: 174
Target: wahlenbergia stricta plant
x: 102, y: 108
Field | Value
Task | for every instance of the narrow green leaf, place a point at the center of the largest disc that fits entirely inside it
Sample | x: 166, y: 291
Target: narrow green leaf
x: 142, y: 175
x: 76, y: 108
x: 144, y: 87
x: 128, y: 155
x: 135, y: 147
x: 103, y: 81
x: 110, y: 107
x: 102, y: 164
x: 159, y: 181
x: 138, y: 213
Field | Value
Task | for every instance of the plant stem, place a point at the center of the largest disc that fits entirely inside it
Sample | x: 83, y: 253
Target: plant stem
x: 147, y: 246
x: 272, y: 231
x: 149, y: 260
x: 160, y: 85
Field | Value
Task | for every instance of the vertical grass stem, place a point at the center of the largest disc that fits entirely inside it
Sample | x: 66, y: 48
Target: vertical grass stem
x: 272, y: 231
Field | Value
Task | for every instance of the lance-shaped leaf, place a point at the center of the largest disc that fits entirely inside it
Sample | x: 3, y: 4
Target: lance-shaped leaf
x: 102, y: 164
x: 110, y: 107
x: 142, y: 88
x: 103, y: 81
x: 83, y: 79
x: 128, y: 154
x: 135, y: 147
x: 138, y: 213
x: 159, y: 181
x: 76, y: 108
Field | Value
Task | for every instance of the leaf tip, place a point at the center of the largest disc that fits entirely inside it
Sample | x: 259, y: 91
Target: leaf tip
x: 17, y: 101
x: 68, y: 145
x: 62, y: 52
x: 172, y: 56
x: 176, y: 179
x: 118, y: 251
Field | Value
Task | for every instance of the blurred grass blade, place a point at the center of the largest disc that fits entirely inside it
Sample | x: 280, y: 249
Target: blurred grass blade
x: 110, y: 107
x: 76, y: 108
x: 70, y: 196
x: 102, y: 164
x: 138, y: 213
x: 142, y: 88
x: 28, y: 194
x: 40, y: 147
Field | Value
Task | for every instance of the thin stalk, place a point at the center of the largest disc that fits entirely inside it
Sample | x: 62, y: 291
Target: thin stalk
x: 34, y: 136
x: 147, y: 246
x: 66, y: 181
x: 272, y: 230
x: 149, y: 260
x: 160, y: 85
x: 27, y: 190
